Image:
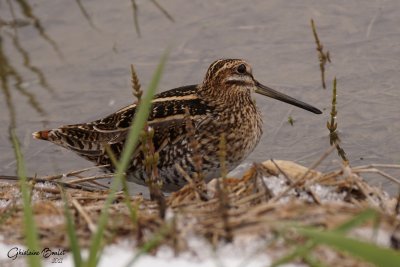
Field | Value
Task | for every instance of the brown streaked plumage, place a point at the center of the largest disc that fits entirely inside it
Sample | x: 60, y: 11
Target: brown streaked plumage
x: 221, y: 104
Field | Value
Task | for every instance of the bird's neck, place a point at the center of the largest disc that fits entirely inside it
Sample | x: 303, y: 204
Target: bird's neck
x: 236, y: 108
x: 233, y: 99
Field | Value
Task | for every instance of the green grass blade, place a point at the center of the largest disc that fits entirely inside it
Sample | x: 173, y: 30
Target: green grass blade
x: 312, y: 262
x: 71, y: 231
x: 132, y: 210
x: 157, y: 238
x: 357, y: 220
x: 96, y: 241
x: 141, y: 117
x: 30, y: 230
x: 130, y: 144
x: 372, y: 253
x: 301, y: 251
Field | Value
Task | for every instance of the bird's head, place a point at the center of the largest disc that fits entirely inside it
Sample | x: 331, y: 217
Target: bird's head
x: 231, y: 79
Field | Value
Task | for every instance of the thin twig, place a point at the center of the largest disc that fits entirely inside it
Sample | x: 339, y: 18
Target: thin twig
x: 309, y: 191
x: 259, y: 167
x: 201, y: 195
x: 163, y: 10
x: 388, y: 176
x: 92, y: 227
x: 86, y: 15
x: 73, y: 173
x: 302, y: 178
x: 290, y: 180
x: 389, y: 166
x: 42, y: 180
x: 135, y: 17
x: 91, y: 178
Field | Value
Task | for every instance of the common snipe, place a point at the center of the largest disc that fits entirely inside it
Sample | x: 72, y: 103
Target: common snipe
x: 221, y: 104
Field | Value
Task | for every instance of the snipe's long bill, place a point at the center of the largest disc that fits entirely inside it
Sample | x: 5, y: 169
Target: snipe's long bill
x: 221, y: 104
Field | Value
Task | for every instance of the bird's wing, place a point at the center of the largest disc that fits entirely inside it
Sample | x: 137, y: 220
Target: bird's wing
x: 167, y: 118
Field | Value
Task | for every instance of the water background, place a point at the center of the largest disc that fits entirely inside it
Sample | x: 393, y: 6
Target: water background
x: 89, y: 77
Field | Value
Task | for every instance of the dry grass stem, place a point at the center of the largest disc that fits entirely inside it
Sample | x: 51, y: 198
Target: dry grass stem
x: 250, y: 206
x: 290, y: 181
x: 222, y: 192
x: 196, y: 156
x: 85, y: 216
x: 42, y: 180
x: 382, y: 173
x: 74, y: 172
x: 135, y: 12
x: 323, y: 57
x: 200, y: 194
x: 135, y: 16
x: 136, y: 90
x: 332, y: 126
x: 163, y: 10
x: 305, y: 175
x: 91, y: 178
x: 397, y: 207
x: 150, y: 155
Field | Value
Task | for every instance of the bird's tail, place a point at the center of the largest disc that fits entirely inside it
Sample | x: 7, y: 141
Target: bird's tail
x: 42, y: 135
x: 72, y: 138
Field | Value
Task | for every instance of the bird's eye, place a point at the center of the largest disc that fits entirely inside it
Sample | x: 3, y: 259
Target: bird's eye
x: 241, y: 69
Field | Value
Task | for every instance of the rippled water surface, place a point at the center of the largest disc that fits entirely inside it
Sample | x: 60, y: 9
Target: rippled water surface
x: 71, y: 64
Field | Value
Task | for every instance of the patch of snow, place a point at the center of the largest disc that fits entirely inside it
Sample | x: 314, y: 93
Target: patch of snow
x: 4, y: 203
x: 249, y: 253
x: 278, y: 184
